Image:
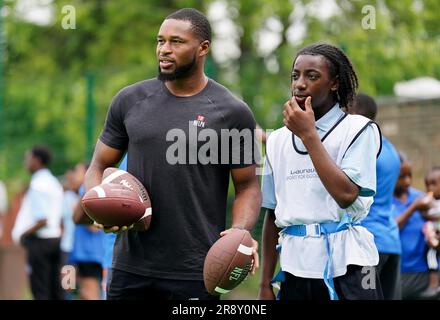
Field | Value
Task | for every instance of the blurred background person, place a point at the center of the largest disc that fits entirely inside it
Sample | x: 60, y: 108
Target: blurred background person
x: 408, y: 205
x: 70, y: 200
x: 88, y: 248
x: 380, y: 220
x: 38, y: 225
x: 72, y: 182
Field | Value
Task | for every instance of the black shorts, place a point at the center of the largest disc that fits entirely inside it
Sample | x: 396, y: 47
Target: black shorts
x: 413, y: 284
x: 89, y: 270
x: 356, y: 284
x: 389, y: 275
x: 124, y: 285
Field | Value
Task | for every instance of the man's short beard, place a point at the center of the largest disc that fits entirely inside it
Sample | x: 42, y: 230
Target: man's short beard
x: 180, y: 73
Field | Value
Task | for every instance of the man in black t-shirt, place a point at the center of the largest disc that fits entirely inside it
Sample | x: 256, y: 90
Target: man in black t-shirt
x: 184, y: 134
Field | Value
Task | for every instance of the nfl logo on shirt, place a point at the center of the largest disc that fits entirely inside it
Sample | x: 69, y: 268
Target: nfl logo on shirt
x: 199, y: 122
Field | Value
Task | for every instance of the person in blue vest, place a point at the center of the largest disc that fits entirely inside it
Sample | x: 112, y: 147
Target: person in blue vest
x: 380, y: 220
x: 318, y: 184
x: 409, y: 206
x: 87, y: 251
x: 108, y: 242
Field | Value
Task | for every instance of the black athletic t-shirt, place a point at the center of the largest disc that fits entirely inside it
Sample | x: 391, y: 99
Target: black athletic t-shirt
x: 187, y: 186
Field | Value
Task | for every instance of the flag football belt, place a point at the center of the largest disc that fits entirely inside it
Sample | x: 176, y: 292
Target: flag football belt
x: 316, y: 230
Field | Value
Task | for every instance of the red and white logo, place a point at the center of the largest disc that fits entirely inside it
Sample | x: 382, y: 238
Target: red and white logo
x: 199, y: 122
